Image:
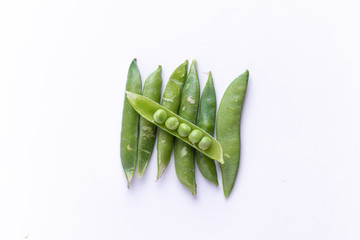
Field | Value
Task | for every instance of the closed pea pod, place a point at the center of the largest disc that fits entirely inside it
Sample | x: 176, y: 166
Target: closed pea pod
x: 147, y: 136
x: 130, y: 125
x: 228, y: 129
x: 184, y: 154
x: 206, y: 121
x: 170, y: 100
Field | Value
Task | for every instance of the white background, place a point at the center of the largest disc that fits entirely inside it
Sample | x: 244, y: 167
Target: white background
x: 63, y: 67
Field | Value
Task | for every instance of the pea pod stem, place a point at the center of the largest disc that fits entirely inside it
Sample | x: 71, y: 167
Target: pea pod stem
x: 147, y: 107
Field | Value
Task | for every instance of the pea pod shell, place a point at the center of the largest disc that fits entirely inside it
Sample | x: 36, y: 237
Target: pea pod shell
x: 206, y: 121
x: 147, y: 107
x: 183, y: 154
x: 130, y: 125
x: 147, y: 135
x: 228, y: 129
x: 170, y: 100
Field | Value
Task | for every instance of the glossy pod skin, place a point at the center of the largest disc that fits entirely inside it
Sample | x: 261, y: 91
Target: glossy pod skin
x: 228, y: 129
x: 171, y: 101
x: 184, y: 154
x: 147, y: 135
x: 130, y: 125
x: 206, y: 121
x: 147, y: 107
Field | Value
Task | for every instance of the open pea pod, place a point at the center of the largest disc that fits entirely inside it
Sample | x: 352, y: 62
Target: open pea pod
x: 147, y: 108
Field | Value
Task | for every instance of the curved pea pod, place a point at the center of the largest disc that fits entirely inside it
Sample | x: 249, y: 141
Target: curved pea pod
x: 130, y: 125
x: 170, y: 100
x: 183, y: 153
x: 147, y: 135
x: 228, y: 129
x: 206, y: 121
x: 147, y: 107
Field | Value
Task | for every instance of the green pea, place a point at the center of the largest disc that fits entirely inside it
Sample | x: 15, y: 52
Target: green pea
x: 195, y: 136
x: 228, y: 129
x: 206, y: 121
x: 147, y: 135
x: 172, y: 123
x: 170, y: 100
x: 184, y: 130
x: 160, y: 116
x: 130, y: 125
x: 205, y: 143
x: 147, y: 107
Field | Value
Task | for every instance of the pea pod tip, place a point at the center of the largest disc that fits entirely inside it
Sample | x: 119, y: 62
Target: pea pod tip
x: 247, y: 72
x: 129, y: 181
x: 129, y: 94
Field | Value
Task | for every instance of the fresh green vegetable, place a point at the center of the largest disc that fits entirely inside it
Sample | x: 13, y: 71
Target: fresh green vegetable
x: 206, y: 121
x: 171, y: 101
x: 228, y: 129
x: 182, y: 95
x: 184, y: 130
x: 195, y: 136
x: 205, y: 143
x: 172, y: 123
x: 160, y: 116
x: 147, y: 136
x: 146, y: 108
x: 184, y: 154
x: 130, y: 125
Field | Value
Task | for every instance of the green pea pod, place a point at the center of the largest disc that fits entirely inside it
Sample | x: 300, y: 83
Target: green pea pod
x: 147, y: 108
x: 184, y: 154
x: 130, y: 125
x: 206, y: 121
x: 170, y: 100
x: 228, y: 129
x: 152, y: 90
